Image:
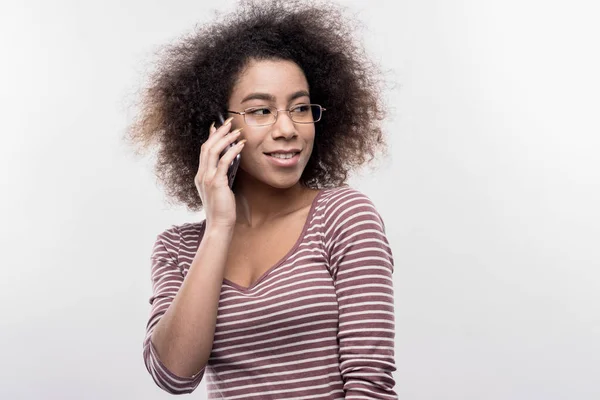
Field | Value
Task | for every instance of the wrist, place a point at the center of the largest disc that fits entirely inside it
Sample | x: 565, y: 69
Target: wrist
x: 219, y: 231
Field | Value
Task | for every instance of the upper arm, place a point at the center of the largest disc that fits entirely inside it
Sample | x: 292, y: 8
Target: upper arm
x: 362, y: 264
x: 166, y: 278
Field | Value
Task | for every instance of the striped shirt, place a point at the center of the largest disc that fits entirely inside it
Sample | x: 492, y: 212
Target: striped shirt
x: 319, y: 324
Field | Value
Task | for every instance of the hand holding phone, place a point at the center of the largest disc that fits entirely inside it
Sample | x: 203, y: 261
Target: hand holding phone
x: 233, y: 167
x: 218, y: 199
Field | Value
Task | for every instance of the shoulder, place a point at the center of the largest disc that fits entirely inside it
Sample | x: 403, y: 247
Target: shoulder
x: 349, y: 214
x: 347, y: 201
x: 173, y: 238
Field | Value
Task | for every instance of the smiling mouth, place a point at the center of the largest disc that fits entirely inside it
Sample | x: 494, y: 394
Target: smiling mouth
x: 282, y: 156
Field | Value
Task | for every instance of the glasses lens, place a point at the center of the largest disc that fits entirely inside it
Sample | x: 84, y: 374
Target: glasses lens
x: 306, y: 113
x: 259, y: 116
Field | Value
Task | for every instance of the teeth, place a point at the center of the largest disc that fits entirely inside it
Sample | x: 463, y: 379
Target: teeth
x: 282, y: 155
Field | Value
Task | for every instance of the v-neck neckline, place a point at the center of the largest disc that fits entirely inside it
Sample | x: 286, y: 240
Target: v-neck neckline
x: 288, y: 254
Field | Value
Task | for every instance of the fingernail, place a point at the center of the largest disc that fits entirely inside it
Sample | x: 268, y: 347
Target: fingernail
x: 212, y: 126
x: 237, y: 131
x: 228, y: 120
x: 241, y: 142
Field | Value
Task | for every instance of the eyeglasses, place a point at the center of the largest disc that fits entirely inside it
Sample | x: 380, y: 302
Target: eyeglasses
x: 300, y: 114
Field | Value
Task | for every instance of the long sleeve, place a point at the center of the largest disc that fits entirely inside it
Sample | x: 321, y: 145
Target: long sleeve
x: 361, y: 265
x: 167, y: 278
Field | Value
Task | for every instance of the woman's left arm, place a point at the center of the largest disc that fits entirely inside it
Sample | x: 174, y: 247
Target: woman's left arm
x: 362, y: 265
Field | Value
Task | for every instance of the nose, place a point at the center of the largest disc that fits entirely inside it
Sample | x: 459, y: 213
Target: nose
x: 284, y: 126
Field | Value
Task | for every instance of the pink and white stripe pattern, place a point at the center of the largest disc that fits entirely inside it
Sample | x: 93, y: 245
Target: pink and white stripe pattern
x: 319, y: 324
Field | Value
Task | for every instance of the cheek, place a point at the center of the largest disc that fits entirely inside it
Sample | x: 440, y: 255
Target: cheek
x: 251, y: 155
x: 310, y: 138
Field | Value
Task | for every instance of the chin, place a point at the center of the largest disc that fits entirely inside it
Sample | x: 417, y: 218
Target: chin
x: 282, y: 183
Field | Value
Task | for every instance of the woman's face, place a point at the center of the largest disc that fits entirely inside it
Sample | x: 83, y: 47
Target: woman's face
x: 277, y: 84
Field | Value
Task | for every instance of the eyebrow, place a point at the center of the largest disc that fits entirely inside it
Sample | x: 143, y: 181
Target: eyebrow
x: 271, y: 98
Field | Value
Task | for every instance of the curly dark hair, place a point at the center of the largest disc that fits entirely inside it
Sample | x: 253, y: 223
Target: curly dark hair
x: 195, y: 77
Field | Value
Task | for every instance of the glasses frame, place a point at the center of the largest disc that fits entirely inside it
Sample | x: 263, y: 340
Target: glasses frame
x: 288, y: 110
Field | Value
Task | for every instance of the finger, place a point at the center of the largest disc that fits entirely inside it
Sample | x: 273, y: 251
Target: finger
x: 213, y: 138
x: 215, y: 135
x: 226, y: 127
x: 228, y: 157
x: 216, y: 150
x: 212, y: 129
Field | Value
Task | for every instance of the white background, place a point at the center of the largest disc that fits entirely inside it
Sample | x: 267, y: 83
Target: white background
x: 490, y: 195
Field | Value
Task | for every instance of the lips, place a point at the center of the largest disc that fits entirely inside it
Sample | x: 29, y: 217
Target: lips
x: 284, y: 162
x: 278, y: 153
x: 293, y: 151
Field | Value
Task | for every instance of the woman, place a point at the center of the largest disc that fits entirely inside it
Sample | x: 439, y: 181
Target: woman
x: 285, y: 289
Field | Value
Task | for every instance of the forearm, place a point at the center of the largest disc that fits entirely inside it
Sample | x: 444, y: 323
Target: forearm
x: 184, y: 336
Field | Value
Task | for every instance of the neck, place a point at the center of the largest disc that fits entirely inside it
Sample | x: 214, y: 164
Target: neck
x: 258, y: 203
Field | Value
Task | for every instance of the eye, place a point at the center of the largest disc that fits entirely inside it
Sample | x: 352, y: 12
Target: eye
x: 301, y: 108
x: 259, y: 111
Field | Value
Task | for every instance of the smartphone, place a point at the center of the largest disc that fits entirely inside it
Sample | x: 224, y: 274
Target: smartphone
x: 232, y: 170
